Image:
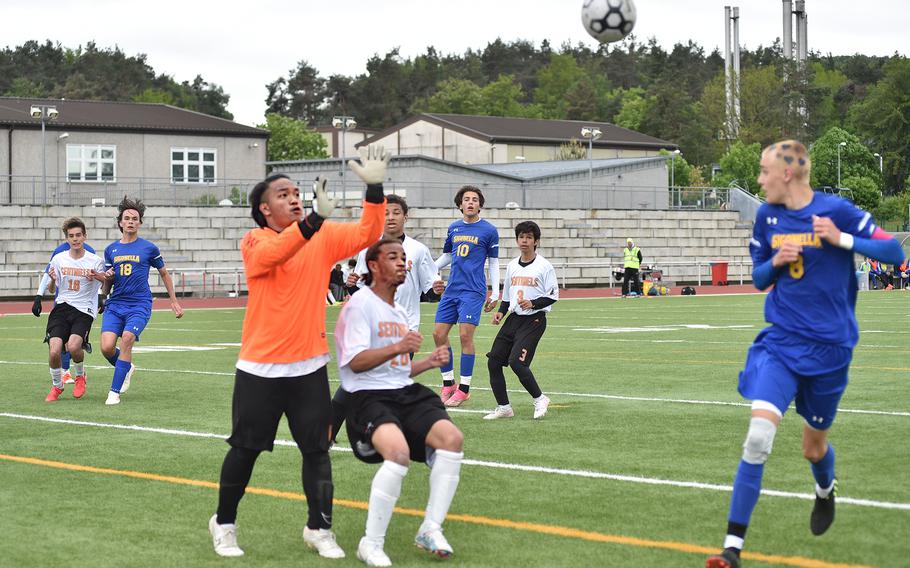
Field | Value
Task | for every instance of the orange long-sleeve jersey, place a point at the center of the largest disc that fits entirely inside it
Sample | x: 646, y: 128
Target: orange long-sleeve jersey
x: 288, y: 276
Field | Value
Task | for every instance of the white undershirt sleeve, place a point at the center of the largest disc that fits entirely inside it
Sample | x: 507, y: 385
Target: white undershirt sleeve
x: 494, y: 277
x: 444, y: 260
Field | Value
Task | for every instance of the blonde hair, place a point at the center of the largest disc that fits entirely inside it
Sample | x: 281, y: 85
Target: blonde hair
x: 794, y: 155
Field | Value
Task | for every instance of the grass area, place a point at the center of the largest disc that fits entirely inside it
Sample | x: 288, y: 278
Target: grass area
x: 642, y: 390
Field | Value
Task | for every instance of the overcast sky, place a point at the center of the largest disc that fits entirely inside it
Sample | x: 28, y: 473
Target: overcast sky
x: 244, y: 45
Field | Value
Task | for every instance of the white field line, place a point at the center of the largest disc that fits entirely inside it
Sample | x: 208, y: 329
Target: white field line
x: 519, y: 391
x: 480, y: 463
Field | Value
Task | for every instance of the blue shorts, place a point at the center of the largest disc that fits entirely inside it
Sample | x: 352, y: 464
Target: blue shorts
x: 125, y: 317
x: 462, y: 308
x: 767, y: 378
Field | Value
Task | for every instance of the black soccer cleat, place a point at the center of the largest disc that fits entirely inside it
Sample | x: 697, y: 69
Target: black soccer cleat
x: 823, y: 512
x: 726, y: 559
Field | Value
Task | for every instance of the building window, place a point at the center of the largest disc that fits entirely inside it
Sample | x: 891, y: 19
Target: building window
x: 193, y: 165
x: 91, y: 162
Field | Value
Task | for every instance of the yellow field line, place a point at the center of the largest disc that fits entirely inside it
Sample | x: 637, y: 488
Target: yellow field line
x: 553, y: 530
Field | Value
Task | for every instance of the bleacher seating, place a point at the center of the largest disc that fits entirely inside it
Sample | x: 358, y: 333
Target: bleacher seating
x: 584, y: 246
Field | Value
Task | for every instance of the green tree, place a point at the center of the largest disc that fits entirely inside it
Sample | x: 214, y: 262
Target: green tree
x: 634, y: 108
x: 865, y: 191
x: 883, y: 120
x: 502, y: 97
x: 292, y: 140
x: 572, y: 150
x: 856, y: 160
x: 454, y: 96
x: 679, y: 172
x: 740, y: 165
x: 893, y: 208
x: 554, y: 81
x: 22, y: 87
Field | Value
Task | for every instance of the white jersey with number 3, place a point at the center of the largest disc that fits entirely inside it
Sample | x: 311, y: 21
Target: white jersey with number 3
x: 368, y: 322
x: 75, y: 285
x: 535, y: 280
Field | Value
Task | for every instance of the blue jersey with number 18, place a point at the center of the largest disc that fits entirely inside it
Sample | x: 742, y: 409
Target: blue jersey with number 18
x: 470, y: 244
x: 813, y: 298
x: 131, y: 263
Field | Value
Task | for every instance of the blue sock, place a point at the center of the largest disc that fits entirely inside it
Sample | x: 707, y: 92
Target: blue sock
x: 65, y: 360
x: 450, y: 366
x: 114, y: 358
x: 746, y: 489
x: 120, y: 371
x: 467, y: 364
x: 823, y: 470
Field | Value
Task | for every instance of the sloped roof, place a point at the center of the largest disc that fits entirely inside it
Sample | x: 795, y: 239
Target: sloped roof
x: 532, y: 130
x: 109, y: 115
x: 521, y: 172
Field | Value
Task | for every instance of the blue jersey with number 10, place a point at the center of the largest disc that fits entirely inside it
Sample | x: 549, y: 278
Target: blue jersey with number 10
x: 131, y: 263
x: 813, y: 298
x: 470, y: 244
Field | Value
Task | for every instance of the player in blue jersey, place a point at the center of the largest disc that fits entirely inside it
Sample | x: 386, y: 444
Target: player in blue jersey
x: 804, y: 245
x: 129, y: 307
x: 36, y: 306
x: 469, y: 244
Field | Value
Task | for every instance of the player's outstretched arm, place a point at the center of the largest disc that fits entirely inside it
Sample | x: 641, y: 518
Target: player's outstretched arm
x: 169, y: 286
x: 881, y: 246
x: 438, y: 357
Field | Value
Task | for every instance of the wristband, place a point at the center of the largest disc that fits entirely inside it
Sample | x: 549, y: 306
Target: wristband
x: 846, y: 241
x: 310, y: 224
x: 374, y: 193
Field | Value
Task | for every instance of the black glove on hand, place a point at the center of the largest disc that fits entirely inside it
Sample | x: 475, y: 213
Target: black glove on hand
x: 36, y: 307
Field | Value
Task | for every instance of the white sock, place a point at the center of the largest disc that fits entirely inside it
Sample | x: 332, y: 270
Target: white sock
x: 466, y: 381
x: 443, y: 482
x: 823, y: 492
x: 733, y: 542
x: 78, y: 368
x: 448, y: 375
x: 384, y: 494
x: 57, y: 377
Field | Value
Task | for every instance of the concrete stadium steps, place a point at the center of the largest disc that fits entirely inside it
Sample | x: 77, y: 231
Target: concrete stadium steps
x: 585, y: 246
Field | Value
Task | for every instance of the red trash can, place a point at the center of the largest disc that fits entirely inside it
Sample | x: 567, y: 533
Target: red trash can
x: 719, y: 273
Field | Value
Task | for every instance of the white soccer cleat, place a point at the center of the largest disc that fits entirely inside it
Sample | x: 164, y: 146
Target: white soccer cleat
x: 323, y: 541
x: 126, y: 380
x: 224, y: 537
x: 540, y: 406
x: 500, y: 412
x: 372, y: 554
x: 112, y: 398
x: 434, y: 542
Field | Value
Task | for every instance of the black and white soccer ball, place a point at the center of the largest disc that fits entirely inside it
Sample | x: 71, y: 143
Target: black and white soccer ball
x: 608, y: 20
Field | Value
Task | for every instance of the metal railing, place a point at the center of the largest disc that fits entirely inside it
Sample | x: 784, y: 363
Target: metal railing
x: 28, y: 190
x: 702, y: 271
x: 700, y: 198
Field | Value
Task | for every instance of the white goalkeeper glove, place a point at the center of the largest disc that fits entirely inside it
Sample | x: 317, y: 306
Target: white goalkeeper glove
x: 322, y: 204
x: 372, y: 166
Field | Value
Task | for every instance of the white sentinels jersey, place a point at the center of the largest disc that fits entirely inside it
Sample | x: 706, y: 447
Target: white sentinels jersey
x: 368, y: 322
x: 535, y: 280
x: 75, y: 285
x: 419, y: 279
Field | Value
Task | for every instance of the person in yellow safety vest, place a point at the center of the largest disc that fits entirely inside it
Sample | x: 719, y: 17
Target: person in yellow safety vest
x: 631, y: 261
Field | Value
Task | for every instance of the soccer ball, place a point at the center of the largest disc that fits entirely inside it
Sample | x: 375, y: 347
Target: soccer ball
x: 608, y: 20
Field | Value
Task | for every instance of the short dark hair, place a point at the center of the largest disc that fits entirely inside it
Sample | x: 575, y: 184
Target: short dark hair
x: 256, y: 198
x: 352, y: 262
x: 466, y: 189
x: 125, y: 204
x: 527, y: 227
x: 373, y: 254
x: 397, y: 200
x: 72, y: 223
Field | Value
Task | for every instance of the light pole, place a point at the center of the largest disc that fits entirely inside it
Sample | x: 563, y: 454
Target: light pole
x: 592, y: 133
x: 343, y: 123
x: 44, y: 113
x: 881, y: 169
x: 673, y: 171
x: 839, y: 146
